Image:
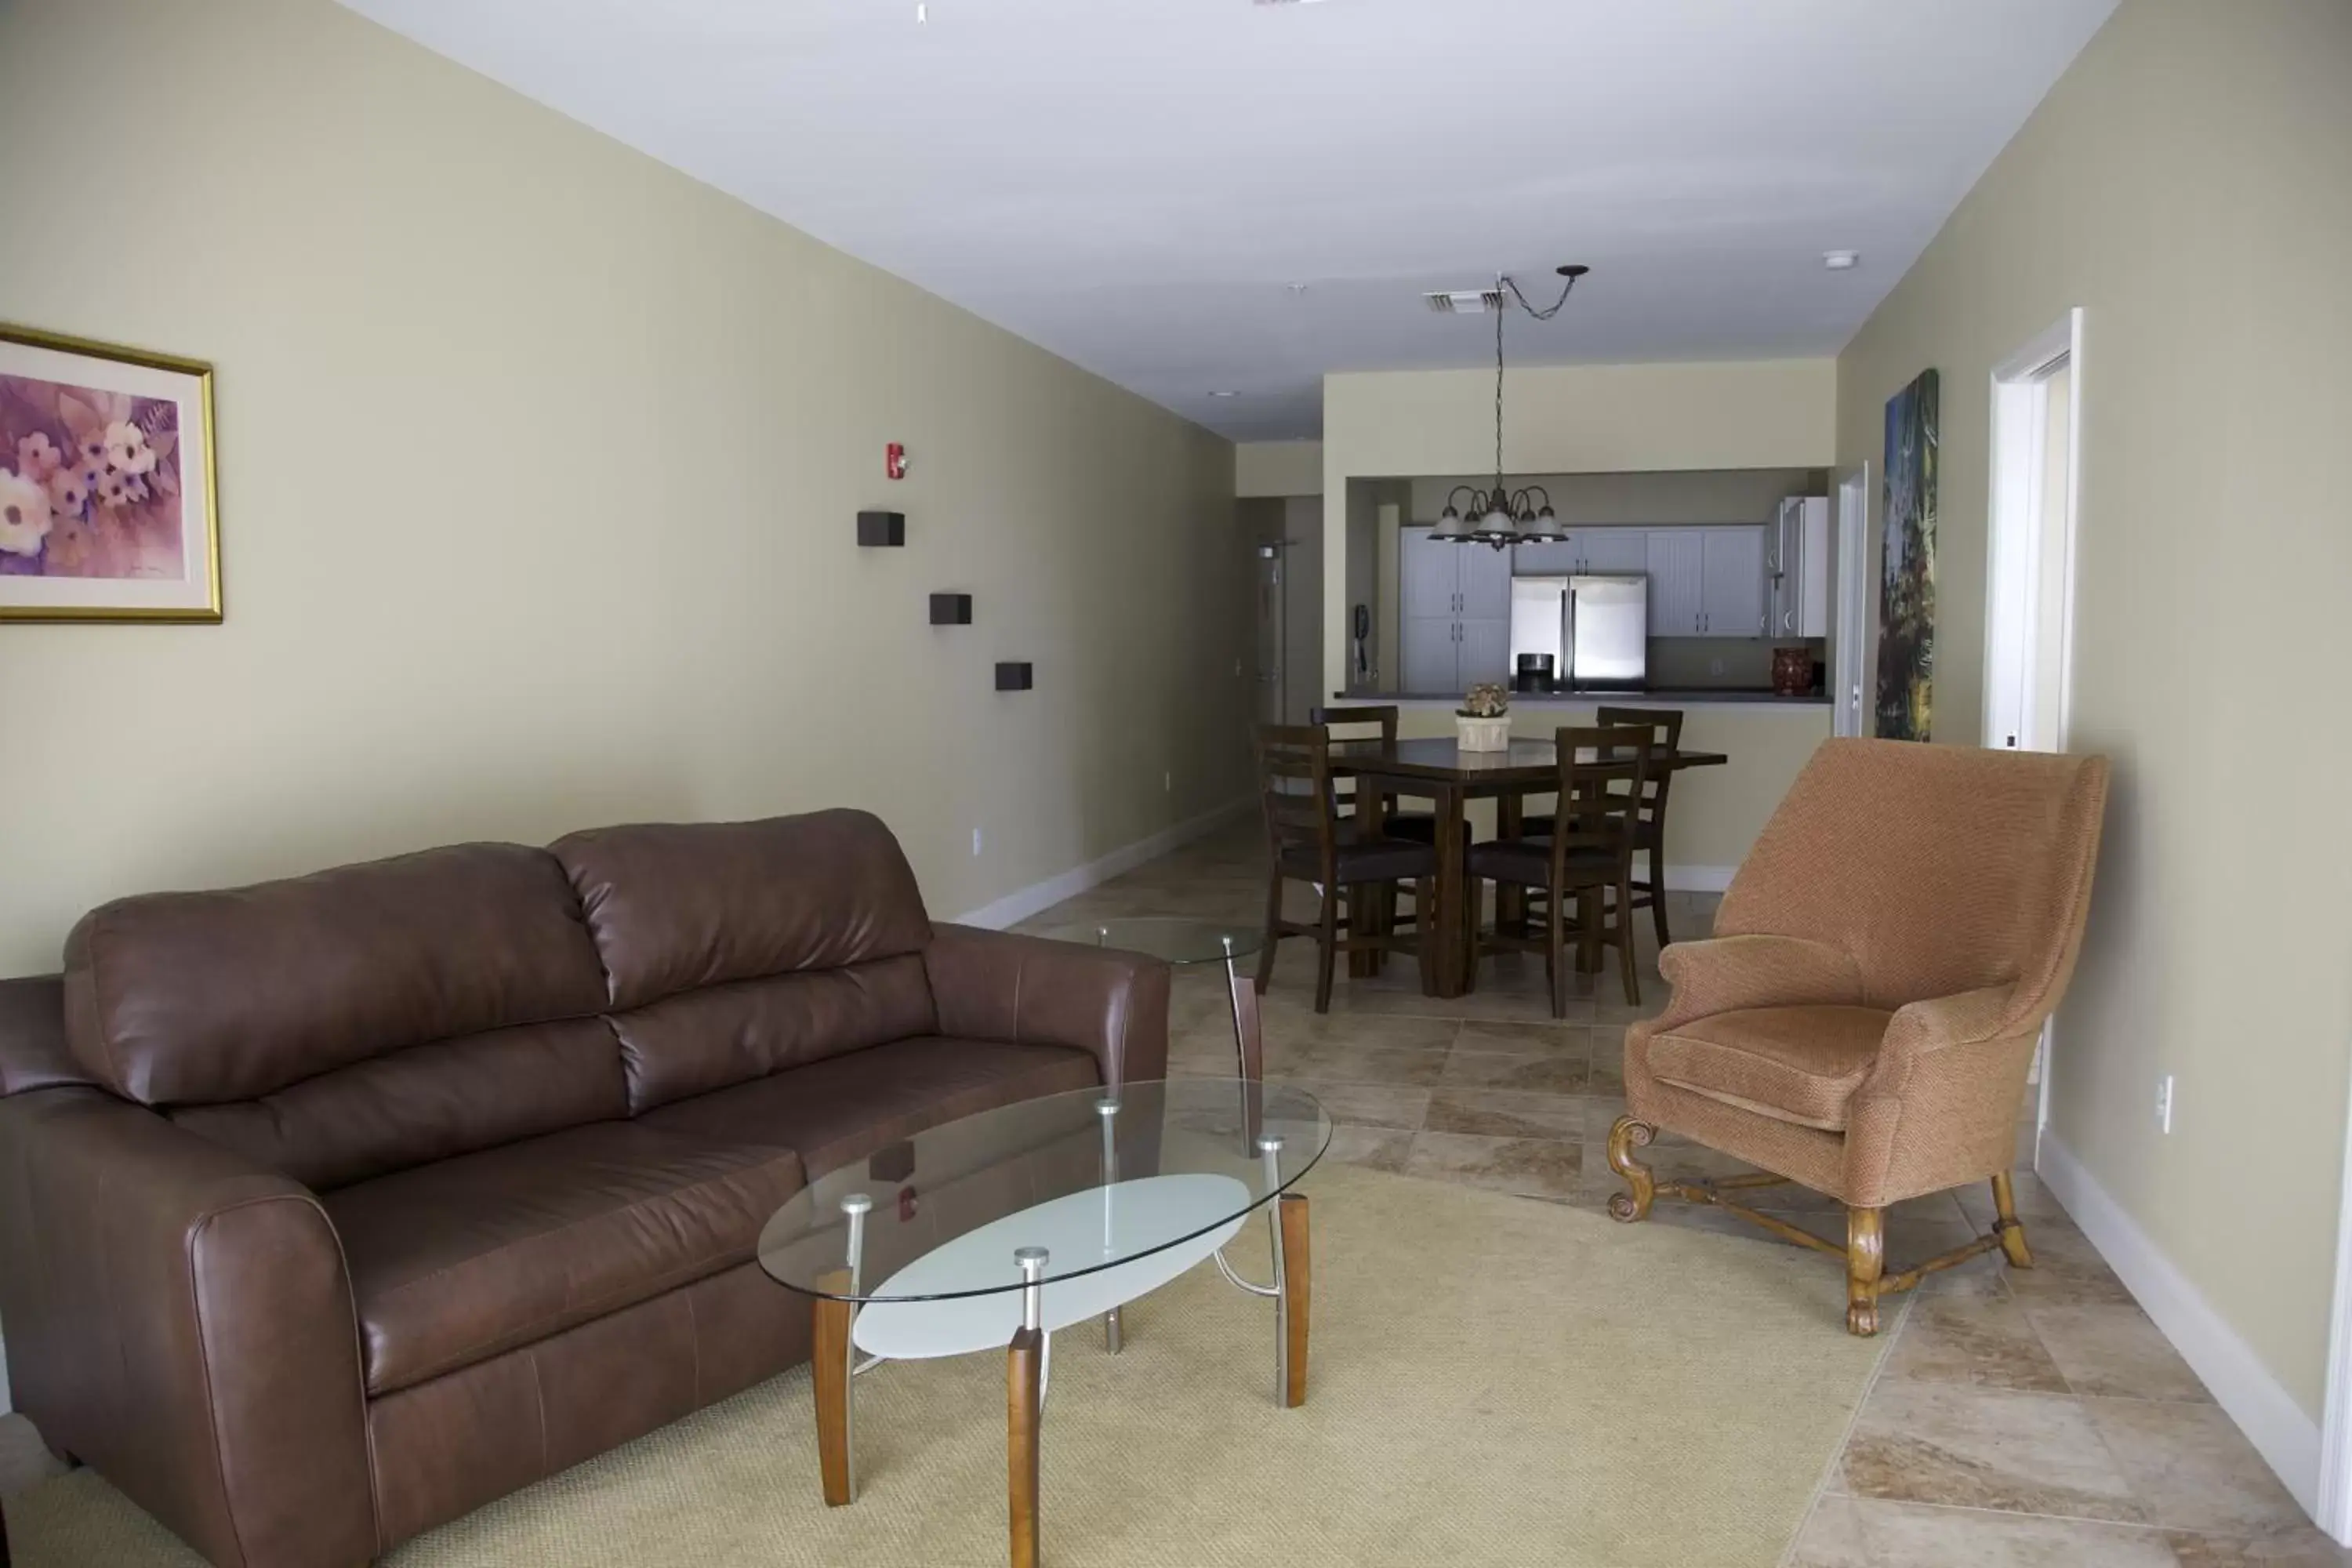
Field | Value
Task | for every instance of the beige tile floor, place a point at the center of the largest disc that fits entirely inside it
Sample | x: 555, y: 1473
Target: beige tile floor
x: 2020, y: 1420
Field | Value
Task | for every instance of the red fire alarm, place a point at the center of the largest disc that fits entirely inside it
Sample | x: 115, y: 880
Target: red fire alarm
x: 893, y: 460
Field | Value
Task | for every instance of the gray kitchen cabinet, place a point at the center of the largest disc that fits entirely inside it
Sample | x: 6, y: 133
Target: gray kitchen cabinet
x: 1483, y: 652
x: 1429, y: 573
x: 1676, y: 558
x: 1431, y: 655
x: 1456, y: 625
x: 1612, y: 552
x: 1584, y: 550
x: 1731, y: 583
x: 1553, y: 558
x: 1485, y: 582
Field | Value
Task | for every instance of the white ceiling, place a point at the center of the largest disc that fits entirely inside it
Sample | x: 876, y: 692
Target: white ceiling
x: 1136, y: 184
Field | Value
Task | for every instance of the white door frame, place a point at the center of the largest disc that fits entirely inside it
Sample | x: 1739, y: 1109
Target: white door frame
x: 1849, y: 703
x: 2017, y: 566
x: 2017, y: 533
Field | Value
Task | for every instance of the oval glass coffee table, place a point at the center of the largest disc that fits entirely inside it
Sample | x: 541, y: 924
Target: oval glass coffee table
x: 1184, y: 943
x: 993, y: 1231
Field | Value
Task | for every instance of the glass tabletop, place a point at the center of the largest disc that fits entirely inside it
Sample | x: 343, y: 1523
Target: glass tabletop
x: 1173, y: 938
x: 1096, y: 1179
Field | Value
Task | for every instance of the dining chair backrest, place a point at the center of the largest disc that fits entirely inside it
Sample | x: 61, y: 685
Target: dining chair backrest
x: 1356, y: 721
x: 1353, y: 716
x: 1294, y: 774
x: 1600, y: 798
x: 1666, y: 726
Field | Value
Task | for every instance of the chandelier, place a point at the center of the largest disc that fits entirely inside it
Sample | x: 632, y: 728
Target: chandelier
x: 1502, y: 516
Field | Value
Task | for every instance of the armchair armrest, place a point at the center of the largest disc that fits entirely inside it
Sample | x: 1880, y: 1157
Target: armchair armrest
x: 995, y: 986
x: 181, y: 1319
x: 1939, y: 1023
x: 1949, y: 1080
x: 1729, y: 972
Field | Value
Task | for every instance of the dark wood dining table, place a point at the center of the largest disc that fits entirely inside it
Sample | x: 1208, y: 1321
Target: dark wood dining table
x: 1439, y: 769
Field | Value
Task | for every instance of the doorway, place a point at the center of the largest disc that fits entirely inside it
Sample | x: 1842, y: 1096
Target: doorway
x: 2030, y: 569
x: 1288, y: 546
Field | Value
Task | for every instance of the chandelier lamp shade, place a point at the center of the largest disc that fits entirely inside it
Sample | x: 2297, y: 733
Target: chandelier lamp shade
x: 1502, y: 516
x: 1500, y: 519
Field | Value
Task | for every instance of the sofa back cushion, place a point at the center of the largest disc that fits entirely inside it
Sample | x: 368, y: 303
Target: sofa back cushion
x: 357, y: 1021
x: 735, y: 950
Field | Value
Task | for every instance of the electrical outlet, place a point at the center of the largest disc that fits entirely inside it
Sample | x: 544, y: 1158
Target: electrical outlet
x: 975, y: 841
x: 2164, y: 1104
x: 1714, y: 667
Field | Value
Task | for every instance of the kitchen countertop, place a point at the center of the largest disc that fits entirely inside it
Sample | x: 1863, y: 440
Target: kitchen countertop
x: 1689, y: 694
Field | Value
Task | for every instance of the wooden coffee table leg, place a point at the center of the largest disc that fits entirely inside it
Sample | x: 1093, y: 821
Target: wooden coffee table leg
x: 829, y: 1356
x: 1025, y: 1408
x: 1291, y: 1212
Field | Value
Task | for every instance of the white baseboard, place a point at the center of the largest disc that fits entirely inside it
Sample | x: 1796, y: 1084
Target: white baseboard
x: 2279, y: 1429
x: 1016, y: 907
x: 1698, y: 879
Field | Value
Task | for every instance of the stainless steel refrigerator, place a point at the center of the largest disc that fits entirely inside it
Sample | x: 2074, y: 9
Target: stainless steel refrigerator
x: 1579, y: 634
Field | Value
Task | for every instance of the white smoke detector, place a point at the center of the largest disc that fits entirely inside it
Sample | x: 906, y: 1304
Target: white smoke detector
x: 1463, y: 301
x: 1840, y: 261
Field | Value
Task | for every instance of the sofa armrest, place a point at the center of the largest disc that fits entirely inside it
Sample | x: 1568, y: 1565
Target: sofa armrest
x: 181, y: 1319
x: 996, y: 986
x: 1728, y: 972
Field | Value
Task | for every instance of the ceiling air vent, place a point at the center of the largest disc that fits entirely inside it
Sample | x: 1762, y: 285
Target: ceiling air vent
x: 1464, y: 301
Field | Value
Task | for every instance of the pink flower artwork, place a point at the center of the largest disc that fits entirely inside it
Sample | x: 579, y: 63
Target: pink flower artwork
x: 90, y: 483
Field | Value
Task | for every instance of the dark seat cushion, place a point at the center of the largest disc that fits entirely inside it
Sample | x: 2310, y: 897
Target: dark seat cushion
x: 1645, y: 830
x: 842, y: 1108
x: 1382, y: 860
x: 1527, y: 861
x: 453, y: 1263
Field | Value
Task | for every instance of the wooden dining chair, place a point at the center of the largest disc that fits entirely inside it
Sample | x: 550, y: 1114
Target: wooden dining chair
x: 1666, y: 726
x: 1305, y: 844
x: 1586, y: 854
x: 1375, y: 721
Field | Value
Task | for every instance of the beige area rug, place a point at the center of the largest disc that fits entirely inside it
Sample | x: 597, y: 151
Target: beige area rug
x: 1496, y: 1381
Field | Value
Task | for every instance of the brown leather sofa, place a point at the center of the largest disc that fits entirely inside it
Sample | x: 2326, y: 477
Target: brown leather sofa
x: 334, y: 1208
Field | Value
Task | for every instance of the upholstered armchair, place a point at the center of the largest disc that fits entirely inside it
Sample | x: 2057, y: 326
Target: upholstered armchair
x: 1864, y: 1017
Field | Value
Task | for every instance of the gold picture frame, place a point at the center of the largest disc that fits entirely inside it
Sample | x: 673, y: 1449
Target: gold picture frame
x: 109, y: 485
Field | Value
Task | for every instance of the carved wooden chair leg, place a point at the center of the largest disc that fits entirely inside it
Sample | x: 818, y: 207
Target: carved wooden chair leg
x: 1641, y: 1188
x: 2007, y: 1226
x: 1866, y: 1261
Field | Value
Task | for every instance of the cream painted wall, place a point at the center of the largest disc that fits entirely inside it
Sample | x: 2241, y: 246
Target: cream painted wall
x: 1279, y: 469
x: 2214, y: 550
x: 539, y: 464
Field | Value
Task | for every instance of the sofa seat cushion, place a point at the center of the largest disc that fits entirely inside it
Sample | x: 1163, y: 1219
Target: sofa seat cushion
x: 455, y: 1262
x: 1799, y: 1065
x: 841, y: 1109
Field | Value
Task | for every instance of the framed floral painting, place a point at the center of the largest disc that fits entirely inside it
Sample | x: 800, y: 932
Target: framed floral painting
x: 107, y: 498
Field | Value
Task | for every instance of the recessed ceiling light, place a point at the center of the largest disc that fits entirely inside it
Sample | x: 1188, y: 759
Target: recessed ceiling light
x: 1840, y: 261
x: 1224, y: 395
